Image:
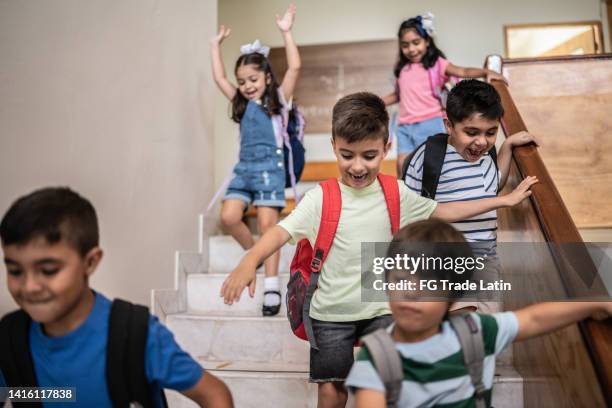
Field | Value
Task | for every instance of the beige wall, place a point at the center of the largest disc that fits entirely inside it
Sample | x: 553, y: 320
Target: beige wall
x: 467, y: 31
x: 114, y: 99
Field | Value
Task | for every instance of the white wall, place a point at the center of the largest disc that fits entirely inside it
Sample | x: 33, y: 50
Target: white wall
x: 467, y: 31
x: 114, y: 99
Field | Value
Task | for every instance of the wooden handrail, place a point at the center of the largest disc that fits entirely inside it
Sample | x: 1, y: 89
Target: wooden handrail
x: 559, y: 228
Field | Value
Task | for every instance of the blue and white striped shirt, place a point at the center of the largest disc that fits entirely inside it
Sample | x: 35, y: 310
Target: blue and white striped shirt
x: 461, y: 180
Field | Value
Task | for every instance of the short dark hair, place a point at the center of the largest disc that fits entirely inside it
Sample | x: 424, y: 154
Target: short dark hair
x: 473, y: 96
x: 360, y: 116
x: 54, y: 213
x: 431, y: 238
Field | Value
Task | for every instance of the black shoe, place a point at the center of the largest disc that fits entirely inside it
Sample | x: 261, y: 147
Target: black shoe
x: 271, y: 310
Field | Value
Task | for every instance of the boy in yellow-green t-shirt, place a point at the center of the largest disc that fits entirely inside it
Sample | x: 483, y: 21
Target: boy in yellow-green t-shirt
x: 360, y: 140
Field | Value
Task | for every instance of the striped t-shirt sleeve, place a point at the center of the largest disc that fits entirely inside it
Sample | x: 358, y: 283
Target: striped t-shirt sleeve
x: 414, y: 174
x: 363, y: 374
x: 508, y: 327
x: 499, y: 331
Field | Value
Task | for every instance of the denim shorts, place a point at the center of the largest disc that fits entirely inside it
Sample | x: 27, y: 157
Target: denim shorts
x: 334, y: 359
x: 259, y: 178
x: 410, y: 136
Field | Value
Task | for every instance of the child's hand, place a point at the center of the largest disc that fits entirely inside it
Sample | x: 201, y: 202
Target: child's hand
x: 234, y: 284
x: 222, y: 35
x: 285, y: 23
x: 521, y: 192
x: 522, y: 138
x: 605, y: 312
x: 492, y: 75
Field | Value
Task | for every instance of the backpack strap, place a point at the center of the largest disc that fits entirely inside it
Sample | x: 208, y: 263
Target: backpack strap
x: 330, y: 216
x: 435, y: 150
x: 470, y: 338
x: 125, y: 355
x: 387, y: 362
x: 391, y: 191
x: 434, y: 79
x: 15, y: 357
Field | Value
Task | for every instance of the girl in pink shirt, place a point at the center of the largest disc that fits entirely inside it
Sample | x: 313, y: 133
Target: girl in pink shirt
x: 420, y: 70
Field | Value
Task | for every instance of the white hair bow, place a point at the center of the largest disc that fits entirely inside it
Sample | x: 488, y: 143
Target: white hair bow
x: 427, y: 22
x: 255, y: 47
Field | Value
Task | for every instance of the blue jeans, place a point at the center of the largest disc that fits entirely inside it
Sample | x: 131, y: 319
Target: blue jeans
x: 410, y: 136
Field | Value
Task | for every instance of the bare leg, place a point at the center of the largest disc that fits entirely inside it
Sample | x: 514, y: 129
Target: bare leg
x: 231, y: 219
x: 400, y: 163
x: 267, y: 217
x: 332, y: 395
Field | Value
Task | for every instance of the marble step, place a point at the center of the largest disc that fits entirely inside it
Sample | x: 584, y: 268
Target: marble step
x: 225, y: 254
x: 203, y: 296
x: 255, y: 386
x: 237, y: 337
x: 258, y: 389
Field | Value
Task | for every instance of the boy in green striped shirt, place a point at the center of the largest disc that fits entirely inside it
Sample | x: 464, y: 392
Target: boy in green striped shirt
x: 434, y: 372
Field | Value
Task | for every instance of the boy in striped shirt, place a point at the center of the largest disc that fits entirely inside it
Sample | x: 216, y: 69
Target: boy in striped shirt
x: 434, y: 372
x: 469, y: 173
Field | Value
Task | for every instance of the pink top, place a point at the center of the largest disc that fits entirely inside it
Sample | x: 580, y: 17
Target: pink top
x: 416, y: 99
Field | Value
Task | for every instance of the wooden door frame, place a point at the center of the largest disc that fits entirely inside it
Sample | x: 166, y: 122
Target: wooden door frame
x: 599, y: 40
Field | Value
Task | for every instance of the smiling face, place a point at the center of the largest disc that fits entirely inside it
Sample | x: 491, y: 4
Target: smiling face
x: 359, y: 162
x: 49, y: 281
x: 473, y: 137
x: 413, y: 46
x: 252, y: 82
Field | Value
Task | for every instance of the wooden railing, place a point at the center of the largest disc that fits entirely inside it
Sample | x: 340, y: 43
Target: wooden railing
x: 558, y: 227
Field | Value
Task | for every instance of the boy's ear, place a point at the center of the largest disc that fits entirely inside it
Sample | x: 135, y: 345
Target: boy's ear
x: 387, y: 148
x: 92, y: 259
x: 448, y: 125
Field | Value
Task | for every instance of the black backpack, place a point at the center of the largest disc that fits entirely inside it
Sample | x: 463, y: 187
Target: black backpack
x: 125, y: 355
x: 435, y: 150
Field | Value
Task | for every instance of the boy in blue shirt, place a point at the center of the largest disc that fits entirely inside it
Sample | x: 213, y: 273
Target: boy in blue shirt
x: 50, y: 244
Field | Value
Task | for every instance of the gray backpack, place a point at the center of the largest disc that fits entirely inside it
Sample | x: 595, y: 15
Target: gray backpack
x: 388, y: 363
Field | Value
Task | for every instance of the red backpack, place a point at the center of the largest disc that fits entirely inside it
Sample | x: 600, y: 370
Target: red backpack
x: 307, y: 262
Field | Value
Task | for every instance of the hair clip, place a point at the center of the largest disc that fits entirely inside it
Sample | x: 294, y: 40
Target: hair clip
x: 426, y: 21
x: 255, y: 47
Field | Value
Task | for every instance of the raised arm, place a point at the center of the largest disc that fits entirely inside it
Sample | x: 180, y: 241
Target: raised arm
x: 244, y: 274
x: 294, y: 62
x: 505, y: 153
x: 544, y: 318
x: 463, y: 72
x: 218, y: 69
x: 462, y: 210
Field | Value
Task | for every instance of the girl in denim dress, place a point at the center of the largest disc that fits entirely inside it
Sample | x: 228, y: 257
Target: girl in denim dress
x: 259, y: 176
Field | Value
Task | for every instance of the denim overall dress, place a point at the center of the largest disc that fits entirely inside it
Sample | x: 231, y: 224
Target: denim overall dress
x: 259, y: 176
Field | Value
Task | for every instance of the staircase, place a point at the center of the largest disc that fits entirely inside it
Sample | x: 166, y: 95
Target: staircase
x: 260, y: 359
